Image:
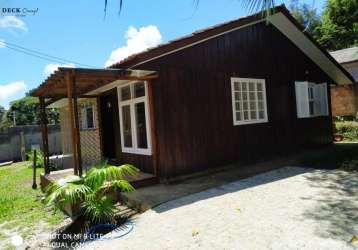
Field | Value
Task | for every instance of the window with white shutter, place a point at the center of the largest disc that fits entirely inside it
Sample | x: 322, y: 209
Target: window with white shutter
x: 248, y: 100
x: 311, y: 99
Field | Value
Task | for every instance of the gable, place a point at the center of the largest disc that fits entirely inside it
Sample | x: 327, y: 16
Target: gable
x: 282, y: 20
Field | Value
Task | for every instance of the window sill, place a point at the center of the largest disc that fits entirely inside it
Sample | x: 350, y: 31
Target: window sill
x: 313, y: 116
x: 250, y: 122
x: 137, y: 151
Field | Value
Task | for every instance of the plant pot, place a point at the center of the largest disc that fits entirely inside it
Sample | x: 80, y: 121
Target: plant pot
x: 338, y: 138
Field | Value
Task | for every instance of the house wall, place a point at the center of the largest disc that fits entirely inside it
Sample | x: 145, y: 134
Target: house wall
x: 345, y: 97
x: 344, y: 100
x: 90, y: 138
x: 193, y: 109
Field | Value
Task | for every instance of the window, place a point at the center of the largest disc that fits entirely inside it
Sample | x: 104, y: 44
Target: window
x: 88, y: 117
x: 311, y: 99
x: 248, y: 101
x: 134, y: 120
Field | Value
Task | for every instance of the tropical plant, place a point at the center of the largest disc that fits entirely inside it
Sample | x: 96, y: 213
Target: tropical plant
x: 92, y: 191
x: 39, y: 158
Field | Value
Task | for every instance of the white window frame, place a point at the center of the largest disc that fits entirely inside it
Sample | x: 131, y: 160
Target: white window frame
x: 84, y: 117
x: 233, y: 100
x: 131, y: 103
x: 303, y: 99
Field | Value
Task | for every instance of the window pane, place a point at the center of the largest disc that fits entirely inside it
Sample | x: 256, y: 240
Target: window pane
x: 251, y: 86
x: 246, y: 115
x: 244, y: 95
x: 127, y: 131
x: 237, y: 96
x: 237, y: 86
x: 244, y: 106
x: 261, y: 115
x: 125, y: 93
x: 141, y: 125
x: 260, y: 96
x: 238, y: 116
x: 253, y: 115
x: 139, y: 89
x: 238, y: 106
x: 89, y: 117
x: 252, y: 96
x: 259, y: 86
x: 260, y: 105
x: 311, y: 107
x: 252, y: 105
x: 244, y: 86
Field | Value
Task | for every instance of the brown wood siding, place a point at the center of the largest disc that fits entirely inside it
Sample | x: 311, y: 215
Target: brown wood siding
x: 192, y: 101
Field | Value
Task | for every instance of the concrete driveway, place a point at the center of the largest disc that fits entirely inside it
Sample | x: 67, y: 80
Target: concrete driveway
x: 288, y: 208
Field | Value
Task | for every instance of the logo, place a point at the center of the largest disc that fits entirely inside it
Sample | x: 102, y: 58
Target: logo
x: 19, y: 11
x: 17, y: 240
x: 113, y: 231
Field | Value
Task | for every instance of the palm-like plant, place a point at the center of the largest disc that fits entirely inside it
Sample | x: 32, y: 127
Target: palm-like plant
x: 92, y: 190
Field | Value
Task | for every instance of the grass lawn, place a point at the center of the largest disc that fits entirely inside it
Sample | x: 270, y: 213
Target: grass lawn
x: 21, y: 209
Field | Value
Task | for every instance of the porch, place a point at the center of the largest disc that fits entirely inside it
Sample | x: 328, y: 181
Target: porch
x: 68, y: 87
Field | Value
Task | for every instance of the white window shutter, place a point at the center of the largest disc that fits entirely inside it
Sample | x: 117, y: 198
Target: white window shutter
x: 324, y: 98
x: 302, y: 99
x: 317, y: 93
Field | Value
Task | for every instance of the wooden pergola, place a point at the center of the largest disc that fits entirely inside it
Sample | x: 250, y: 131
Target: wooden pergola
x: 74, y: 83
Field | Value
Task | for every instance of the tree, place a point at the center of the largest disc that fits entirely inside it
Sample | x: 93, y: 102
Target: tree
x: 307, y: 17
x: 2, y: 112
x: 26, y: 112
x: 339, y: 27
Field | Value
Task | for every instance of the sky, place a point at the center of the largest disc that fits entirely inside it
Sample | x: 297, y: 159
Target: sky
x: 77, y: 31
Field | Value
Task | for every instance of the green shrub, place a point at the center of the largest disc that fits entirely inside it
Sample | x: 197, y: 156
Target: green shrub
x: 350, y: 165
x: 349, y: 130
x: 92, y: 190
x: 39, y: 158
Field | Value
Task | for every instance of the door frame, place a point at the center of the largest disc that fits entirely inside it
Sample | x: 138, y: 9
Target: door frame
x: 113, y: 93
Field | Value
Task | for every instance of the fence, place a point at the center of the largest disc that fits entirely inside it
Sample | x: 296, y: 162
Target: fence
x: 10, y: 142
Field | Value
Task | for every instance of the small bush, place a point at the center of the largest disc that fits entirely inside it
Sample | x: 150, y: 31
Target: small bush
x: 350, y: 165
x: 349, y: 130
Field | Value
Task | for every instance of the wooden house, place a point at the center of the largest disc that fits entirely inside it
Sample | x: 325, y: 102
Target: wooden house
x: 237, y: 91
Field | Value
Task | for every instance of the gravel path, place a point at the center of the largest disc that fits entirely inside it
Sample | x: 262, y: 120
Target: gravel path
x: 289, y: 208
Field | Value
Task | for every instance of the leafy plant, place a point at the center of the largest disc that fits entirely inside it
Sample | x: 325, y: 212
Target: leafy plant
x: 92, y: 191
x: 39, y: 158
x: 350, y: 165
x: 349, y: 130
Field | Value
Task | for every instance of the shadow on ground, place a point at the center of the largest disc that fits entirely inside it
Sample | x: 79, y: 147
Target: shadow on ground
x: 232, y: 187
x: 335, y: 206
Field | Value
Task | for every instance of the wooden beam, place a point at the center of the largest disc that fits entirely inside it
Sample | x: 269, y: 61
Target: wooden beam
x: 44, y: 131
x: 69, y: 82
x: 77, y: 127
x: 153, y: 129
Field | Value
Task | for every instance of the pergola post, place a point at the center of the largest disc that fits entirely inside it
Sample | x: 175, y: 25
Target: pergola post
x: 69, y: 82
x: 152, y: 126
x: 77, y: 128
x: 44, y: 132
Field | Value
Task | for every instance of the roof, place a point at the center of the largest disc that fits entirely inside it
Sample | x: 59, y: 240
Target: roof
x: 346, y: 55
x: 86, y: 80
x: 281, y: 19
